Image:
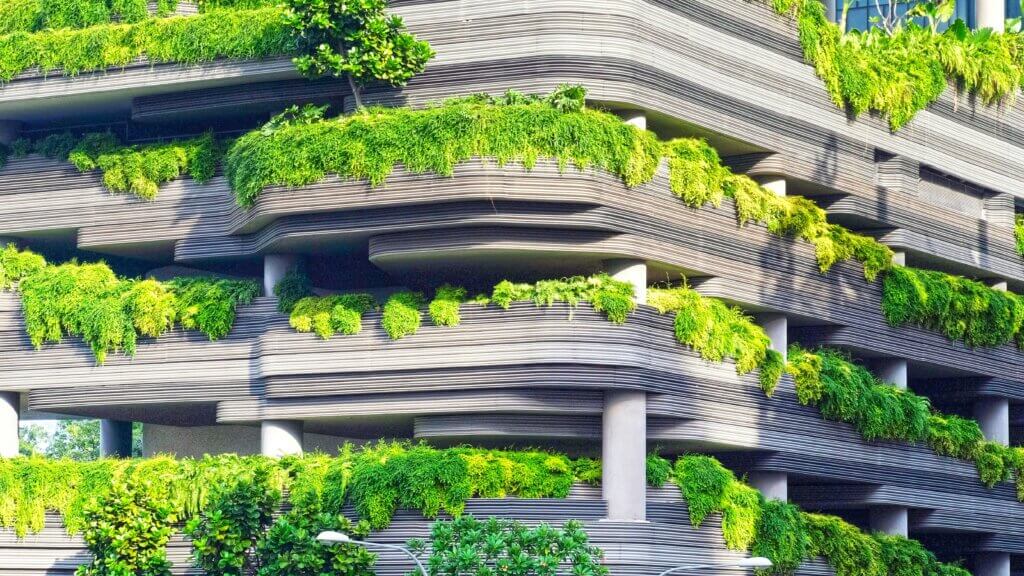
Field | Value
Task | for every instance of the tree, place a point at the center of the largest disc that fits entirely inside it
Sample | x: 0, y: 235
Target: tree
x: 32, y: 440
x: 354, y: 39
x: 75, y: 439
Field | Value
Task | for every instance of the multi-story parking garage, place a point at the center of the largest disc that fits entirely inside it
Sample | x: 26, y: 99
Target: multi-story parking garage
x: 940, y: 191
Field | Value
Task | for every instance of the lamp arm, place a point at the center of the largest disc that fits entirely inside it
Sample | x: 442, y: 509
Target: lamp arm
x: 402, y: 549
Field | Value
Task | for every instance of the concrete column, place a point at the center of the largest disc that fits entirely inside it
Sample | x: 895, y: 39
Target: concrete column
x: 1000, y: 285
x: 990, y: 14
x: 892, y: 371
x: 10, y: 130
x: 635, y: 118
x: 632, y: 271
x: 992, y: 564
x: 830, y: 9
x: 772, y: 485
x: 776, y: 184
x: 275, y: 266
x: 280, y: 438
x: 993, y: 414
x: 10, y: 407
x: 115, y: 439
x: 776, y: 326
x: 899, y: 258
x: 624, y: 454
x: 890, y: 520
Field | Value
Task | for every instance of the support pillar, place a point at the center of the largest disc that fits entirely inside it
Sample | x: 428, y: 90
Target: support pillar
x: 280, y: 438
x: 115, y: 439
x: 899, y: 258
x: 624, y: 454
x: 1000, y: 285
x: 10, y: 408
x: 776, y: 326
x: 10, y: 130
x: 776, y: 184
x: 632, y: 271
x: 772, y: 485
x: 993, y: 415
x: 992, y: 564
x: 635, y: 118
x: 990, y: 14
x: 892, y: 371
x: 275, y: 266
x: 890, y: 520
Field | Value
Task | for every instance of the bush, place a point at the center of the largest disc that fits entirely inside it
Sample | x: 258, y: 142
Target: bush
x: 290, y: 547
x: 329, y: 315
x: 294, y: 286
x: 401, y: 314
x: 444, y: 308
x: 498, y: 546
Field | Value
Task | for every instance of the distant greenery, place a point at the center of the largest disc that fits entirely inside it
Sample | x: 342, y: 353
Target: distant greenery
x: 899, y: 69
x: 960, y: 308
x: 110, y: 313
x: 847, y: 392
x: 301, y: 148
x: 135, y: 169
x: 1018, y: 233
x: 717, y: 331
x: 247, y: 34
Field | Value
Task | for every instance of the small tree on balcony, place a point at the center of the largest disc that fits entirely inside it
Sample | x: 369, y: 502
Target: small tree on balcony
x: 357, y: 40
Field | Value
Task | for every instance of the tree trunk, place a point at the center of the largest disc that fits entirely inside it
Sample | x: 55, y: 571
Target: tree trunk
x: 355, y: 91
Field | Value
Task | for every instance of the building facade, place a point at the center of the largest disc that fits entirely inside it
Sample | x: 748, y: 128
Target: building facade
x: 942, y: 193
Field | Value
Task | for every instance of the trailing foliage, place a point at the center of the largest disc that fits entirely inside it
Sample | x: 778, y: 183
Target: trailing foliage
x: 135, y: 169
x: 110, y: 313
x: 787, y: 536
x: 466, y: 545
x: 846, y: 392
x: 401, y: 315
x: 301, y: 148
x: 960, y: 308
x: 612, y: 297
x: 17, y: 264
x: 898, y: 72
x: 35, y: 15
x: 248, y: 34
x: 718, y: 331
x: 291, y: 289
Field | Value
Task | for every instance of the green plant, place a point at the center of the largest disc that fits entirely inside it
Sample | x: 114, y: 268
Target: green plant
x: 659, y: 470
x: 290, y: 547
x: 250, y: 34
x: 499, y: 546
x: 328, y: 315
x: 898, y: 69
x: 960, y: 308
x: 444, y: 308
x: 849, y: 551
x: 16, y: 265
x: 34, y: 15
x: 717, y: 331
x: 356, y: 40
x: 401, y: 315
x: 293, y: 287
x: 1018, y: 233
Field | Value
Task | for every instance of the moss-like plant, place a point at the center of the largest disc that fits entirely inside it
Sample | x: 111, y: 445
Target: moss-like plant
x: 401, y: 314
x: 35, y: 15
x: 250, y: 34
x: 369, y: 144
x: 960, y: 308
x: 1018, y: 233
x: 329, y: 315
x: 900, y: 72
x: 444, y: 308
x: 110, y: 313
x: 718, y: 331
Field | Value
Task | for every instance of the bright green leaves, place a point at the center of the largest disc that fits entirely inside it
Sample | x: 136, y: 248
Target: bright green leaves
x: 329, y: 315
x: 356, y: 39
x: 612, y: 297
x: 401, y: 315
x: 444, y: 308
x: 368, y: 144
x: 718, y: 331
x: 109, y: 312
x: 1018, y: 233
x: 466, y: 545
x: 961, y: 309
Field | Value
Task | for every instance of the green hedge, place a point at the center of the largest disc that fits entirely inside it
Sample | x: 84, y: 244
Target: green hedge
x: 247, y: 34
x: 962, y: 309
x: 900, y: 74
x: 110, y: 313
x: 369, y: 144
x: 847, y: 392
x: 227, y: 503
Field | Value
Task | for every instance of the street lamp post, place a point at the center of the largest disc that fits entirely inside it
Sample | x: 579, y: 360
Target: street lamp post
x: 755, y: 562
x: 329, y: 538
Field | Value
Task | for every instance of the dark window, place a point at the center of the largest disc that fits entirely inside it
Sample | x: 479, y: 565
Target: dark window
x: 861, y: 11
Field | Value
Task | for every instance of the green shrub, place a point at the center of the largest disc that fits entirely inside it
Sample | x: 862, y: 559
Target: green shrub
x: 249, y: 34
x: 329, y: 315
x: 849, y: 551
x: 35, y: 15
x: 898, y: 74
x: 444, y: 308
x: 718, y: 331
x: 294, y: 286
x: 951, y: 435
x: 962, y: 309
x: 605, y: 294
x: 1018, y: 233
x: 401, y: 315
x: 499, y: 546
x: 290, y: 547
x: 781, y: 536
x: 17, y: 264
x: 659, y: 470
